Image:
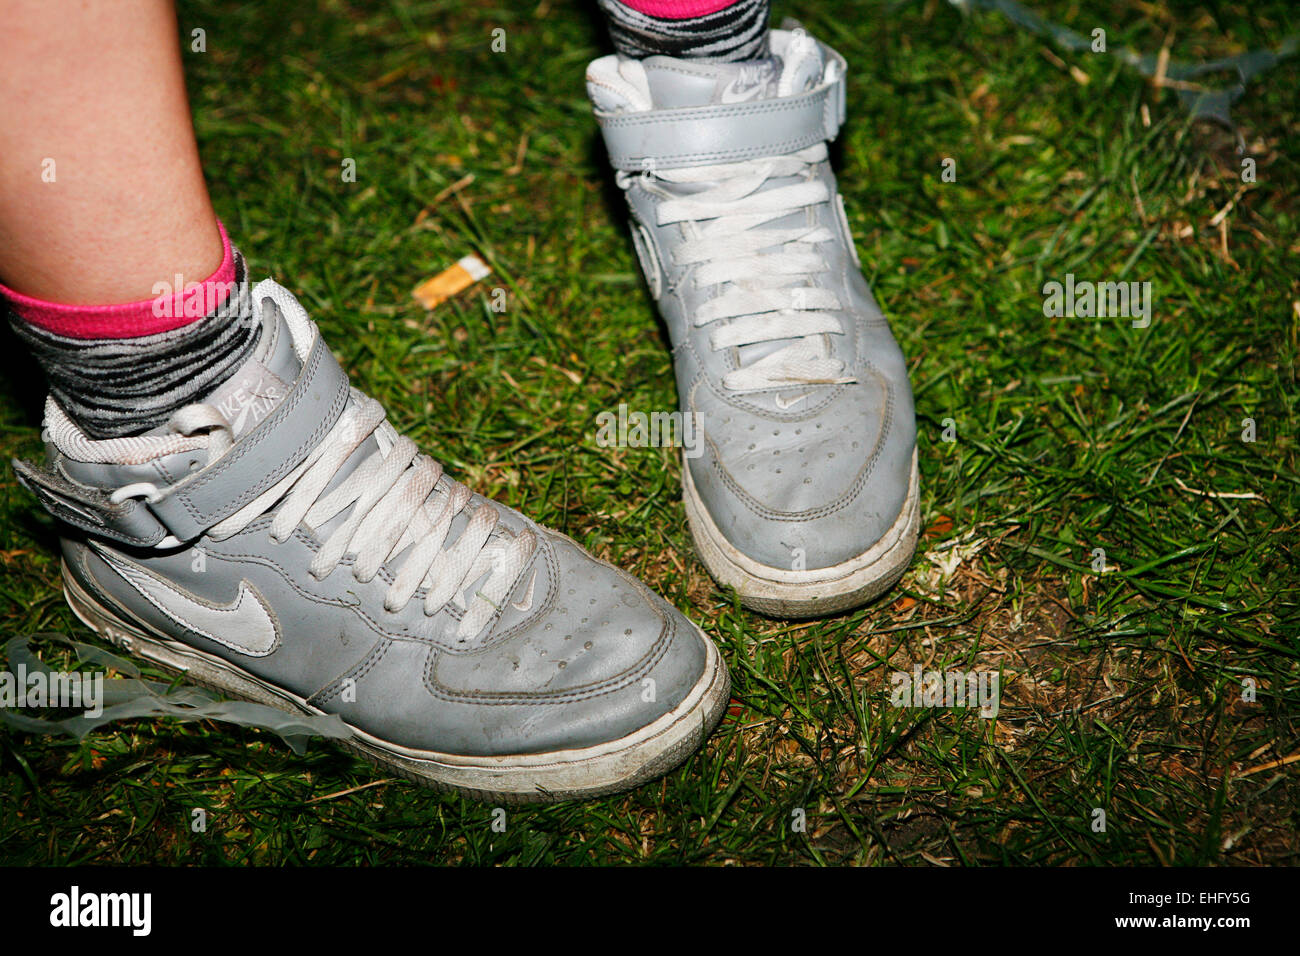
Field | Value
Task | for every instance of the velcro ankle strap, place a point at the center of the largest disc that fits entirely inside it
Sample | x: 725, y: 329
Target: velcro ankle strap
x: 726, y: 132
x: 255, y: 463
x: 90, y: 509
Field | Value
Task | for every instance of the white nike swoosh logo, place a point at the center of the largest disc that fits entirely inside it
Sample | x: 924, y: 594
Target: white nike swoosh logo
x: 748, y: 85
x: 238, y: 426
x: 782, y: 403
x: 527, y: 602
x: 245, y: 625
x: 730, y: 94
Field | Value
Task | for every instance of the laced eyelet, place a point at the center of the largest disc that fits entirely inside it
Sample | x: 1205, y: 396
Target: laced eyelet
x: 140, y: 489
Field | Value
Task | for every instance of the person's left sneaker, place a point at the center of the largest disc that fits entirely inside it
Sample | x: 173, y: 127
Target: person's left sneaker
x: 804, y: 496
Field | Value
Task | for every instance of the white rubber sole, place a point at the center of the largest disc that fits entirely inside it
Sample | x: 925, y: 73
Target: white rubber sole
x: 785, y: 593
x: 525, y: 778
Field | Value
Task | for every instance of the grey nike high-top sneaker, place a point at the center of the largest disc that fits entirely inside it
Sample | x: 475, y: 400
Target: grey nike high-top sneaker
x: 804, y: 497
x: 281, y: 543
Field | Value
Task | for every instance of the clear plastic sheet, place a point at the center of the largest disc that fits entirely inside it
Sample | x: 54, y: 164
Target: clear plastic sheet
x: 1208, y: 103
x: 133, y: 696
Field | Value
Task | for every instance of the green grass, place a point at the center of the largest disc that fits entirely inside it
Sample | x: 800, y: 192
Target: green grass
x: 1120, y: 691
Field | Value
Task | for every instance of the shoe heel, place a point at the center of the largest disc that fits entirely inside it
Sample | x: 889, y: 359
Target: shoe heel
x: 98, y: 618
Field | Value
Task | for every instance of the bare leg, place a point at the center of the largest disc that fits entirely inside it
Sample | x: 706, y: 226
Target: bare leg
x: 96, y: 86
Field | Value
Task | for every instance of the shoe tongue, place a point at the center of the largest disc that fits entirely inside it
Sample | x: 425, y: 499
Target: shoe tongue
x: 262, y: 382
x: 674, y: 84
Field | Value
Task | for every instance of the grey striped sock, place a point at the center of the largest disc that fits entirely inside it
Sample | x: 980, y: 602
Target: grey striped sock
x: 737, y: 32
x: 117, y: 387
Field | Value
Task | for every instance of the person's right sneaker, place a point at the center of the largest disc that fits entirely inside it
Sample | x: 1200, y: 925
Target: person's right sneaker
x: 804, y: 498
x: 280, y: 542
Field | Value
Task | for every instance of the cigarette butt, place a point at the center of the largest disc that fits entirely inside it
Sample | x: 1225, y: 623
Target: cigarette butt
x: 432, y: 292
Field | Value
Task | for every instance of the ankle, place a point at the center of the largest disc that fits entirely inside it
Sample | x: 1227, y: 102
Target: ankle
x: 720, y: 30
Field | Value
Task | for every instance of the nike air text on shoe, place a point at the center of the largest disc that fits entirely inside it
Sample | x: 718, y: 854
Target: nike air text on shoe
x: 280, y: 542
x: 804, y: 498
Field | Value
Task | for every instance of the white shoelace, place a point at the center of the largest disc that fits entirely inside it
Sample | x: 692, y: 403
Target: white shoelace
x: 765, y: 270
x: 400, y: 499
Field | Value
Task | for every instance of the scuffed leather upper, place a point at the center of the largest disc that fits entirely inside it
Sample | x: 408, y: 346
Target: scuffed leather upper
x: 569, y: 672
x: 578, y: 655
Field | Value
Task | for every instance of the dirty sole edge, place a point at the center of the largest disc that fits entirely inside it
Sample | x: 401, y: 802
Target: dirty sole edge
x: 525, y: 778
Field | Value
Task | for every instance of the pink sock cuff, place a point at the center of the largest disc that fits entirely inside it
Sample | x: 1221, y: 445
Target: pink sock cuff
x: 174, y: 304
x: 677, y: 9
